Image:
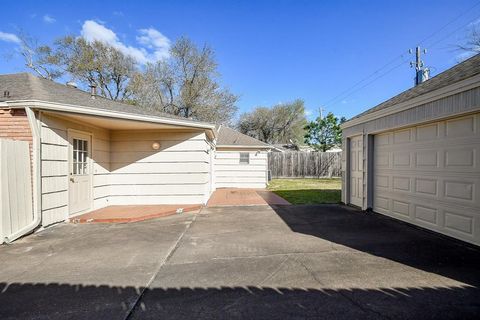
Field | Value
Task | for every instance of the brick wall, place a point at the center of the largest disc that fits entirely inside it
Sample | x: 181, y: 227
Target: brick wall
x: 14, y: 126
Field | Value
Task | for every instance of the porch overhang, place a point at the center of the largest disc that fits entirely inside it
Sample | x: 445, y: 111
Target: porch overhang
x: 114, y: 119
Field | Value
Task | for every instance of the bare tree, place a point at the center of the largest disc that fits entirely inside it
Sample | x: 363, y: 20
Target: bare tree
x: 472, y: 43
x: 39, y: 58
x: 278, y: 124
x: 186, y: 85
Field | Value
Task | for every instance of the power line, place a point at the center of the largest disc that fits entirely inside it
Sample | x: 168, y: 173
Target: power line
x: 348, y: 92
x: 454, y: 31
x: 365, y: 79
x: 447, y: 24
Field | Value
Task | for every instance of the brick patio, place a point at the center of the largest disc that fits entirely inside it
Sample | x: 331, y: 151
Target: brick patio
x: 119, y: 214
x: 244, y: 197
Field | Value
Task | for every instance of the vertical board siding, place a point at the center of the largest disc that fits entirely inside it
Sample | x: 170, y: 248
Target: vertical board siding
x: 16, y: 201
x: 304, y: 164
x: 176, y: 173
x: 450, y: 106
x: 54, y: 157
x: 229, y: 173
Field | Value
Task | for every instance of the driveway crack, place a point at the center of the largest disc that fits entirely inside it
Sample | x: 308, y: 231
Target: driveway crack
x: 170, y: 253
x: 350, y: 299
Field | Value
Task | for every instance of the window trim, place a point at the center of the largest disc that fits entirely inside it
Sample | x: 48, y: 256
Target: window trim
x: 242, y: 160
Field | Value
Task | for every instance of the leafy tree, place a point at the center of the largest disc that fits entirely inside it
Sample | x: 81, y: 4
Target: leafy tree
x: 324, y: 133
x: 281, y: 123
x: 186, y: 85
x: 96, y: 63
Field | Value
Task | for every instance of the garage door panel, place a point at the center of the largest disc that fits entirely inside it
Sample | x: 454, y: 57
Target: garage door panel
x: 429, y: 175
x: 402, y: 136
x: 461, y: 127
x: 427, y: 132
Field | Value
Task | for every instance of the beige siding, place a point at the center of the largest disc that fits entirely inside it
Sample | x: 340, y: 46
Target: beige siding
x: 229, y: 173
x: 429, y: 175
x: 126, y: 169
x: 460, y: 103
x: 54, y: 157
x: 176, y: 173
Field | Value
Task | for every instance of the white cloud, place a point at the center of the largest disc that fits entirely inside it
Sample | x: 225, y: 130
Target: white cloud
x: 9, y: 37
x: 49, y: 19
x: 155, y: 45
x: 118, y: 13
x: 154, y: 40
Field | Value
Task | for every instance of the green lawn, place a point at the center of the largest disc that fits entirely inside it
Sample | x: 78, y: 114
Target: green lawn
x: 307, y: 191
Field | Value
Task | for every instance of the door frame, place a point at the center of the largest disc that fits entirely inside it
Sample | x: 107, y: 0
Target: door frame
x: 70, y: 134
x: 348, y: 171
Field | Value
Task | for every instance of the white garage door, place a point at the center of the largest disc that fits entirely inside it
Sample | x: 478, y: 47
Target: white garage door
x: 429, y: 175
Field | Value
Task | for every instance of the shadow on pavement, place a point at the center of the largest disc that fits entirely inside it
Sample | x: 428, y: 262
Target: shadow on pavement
x: 64, y: 301
x: 388, y: 238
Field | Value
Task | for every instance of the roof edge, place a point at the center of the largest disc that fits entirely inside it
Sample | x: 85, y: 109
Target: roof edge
x: 244, y: 146
x: 451, y: 89
x: 46, y: 105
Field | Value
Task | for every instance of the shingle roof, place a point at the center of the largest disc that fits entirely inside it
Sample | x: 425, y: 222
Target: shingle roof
x: 25, y: 86
x: 461, y: 71
x: 230, y: 137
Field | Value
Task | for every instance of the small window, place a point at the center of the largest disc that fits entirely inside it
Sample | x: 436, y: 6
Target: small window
x: 244, y: 158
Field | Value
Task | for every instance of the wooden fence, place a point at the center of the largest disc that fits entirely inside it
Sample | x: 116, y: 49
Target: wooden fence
x: 16, y: 210
x: 298, y: 164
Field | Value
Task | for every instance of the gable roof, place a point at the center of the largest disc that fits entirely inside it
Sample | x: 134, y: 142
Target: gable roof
x: 459, y: 72
x: 232, y: 138
x: 27, y: 87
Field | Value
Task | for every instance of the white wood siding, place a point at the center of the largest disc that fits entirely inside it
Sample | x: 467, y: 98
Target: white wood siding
x: 16, y: 210
x: 126, y: 169
x: 54, y: 158
x: 177, y: 173
x: 229, y: 173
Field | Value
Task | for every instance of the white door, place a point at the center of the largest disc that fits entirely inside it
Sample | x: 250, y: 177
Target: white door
x: 80, y: 178
x: 429, y: 176
x: 356, y: 171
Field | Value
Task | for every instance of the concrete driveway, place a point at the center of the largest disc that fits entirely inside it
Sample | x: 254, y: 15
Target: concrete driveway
x: 241, y: 262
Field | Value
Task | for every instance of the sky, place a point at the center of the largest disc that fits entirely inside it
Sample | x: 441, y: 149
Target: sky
x: 341, y: 56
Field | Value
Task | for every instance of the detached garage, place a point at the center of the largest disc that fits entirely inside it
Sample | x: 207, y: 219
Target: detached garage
x: 240, y: 161
x: 416, y: 157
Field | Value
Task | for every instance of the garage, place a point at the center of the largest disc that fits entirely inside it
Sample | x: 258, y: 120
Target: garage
x: 416, y: 156
x: 429, y: 175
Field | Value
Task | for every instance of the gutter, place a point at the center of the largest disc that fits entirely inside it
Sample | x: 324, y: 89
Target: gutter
x: 243, y: 146
x: 53, y: 106
x: 36, y: 179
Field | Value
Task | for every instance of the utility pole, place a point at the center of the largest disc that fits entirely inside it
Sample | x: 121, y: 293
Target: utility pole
x: 421, y: 73
x: 320, y: 110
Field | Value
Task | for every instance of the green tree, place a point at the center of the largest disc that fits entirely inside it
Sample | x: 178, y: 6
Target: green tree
x: 96, y: 63
x: 281, y: 123
x: 324, y: 133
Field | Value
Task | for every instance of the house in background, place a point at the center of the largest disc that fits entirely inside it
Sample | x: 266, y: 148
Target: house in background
x: 416, y: 156
x: 240, y: 160
x: 89, y: 152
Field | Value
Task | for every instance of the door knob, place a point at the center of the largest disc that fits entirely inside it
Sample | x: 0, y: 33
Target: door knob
x: 71, y: 179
